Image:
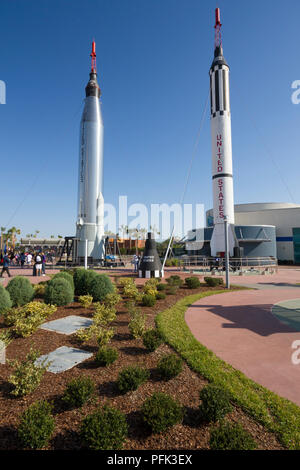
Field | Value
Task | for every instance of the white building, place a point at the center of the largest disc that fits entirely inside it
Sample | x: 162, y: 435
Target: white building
x: 285, y: 217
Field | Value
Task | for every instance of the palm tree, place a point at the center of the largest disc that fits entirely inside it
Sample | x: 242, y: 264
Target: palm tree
x: 2, y: 235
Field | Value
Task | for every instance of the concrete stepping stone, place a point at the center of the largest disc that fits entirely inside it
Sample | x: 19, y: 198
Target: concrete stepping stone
x: 67, y: 325
x: 64, y: 358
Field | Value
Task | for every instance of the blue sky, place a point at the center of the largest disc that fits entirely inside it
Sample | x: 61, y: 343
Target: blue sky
x: 153, y: 58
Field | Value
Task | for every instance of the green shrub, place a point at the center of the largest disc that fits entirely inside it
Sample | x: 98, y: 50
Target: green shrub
x: 66, y: 276
x: 106, y: 356
x: 137, y: 324
x: 192, y: 282
x: 152, y: 340
x: 26, y: 375
x: 85, y: 300
x: 100, y: 286
x: 213, y: 281
x: 161, y: 287
x: 161, y: 296
x: 20, y: 290
x: 39, y: 290
x: 148, y: 300
x: 131, y: 378
x: 169, y: 366
x: 5, y: 300
x: 105, y: 429
x: 174, y: 281
x: 215, y: 403
x: 36, y: 425
x: 27, y: 319
x: 172, y: 290
x: 82, y: 281
x: 160, y: 412
x: 228, y: 436
x: 58, y: 292
x: 112, y: 299
x: 78, y: 392
x: 103, y: 315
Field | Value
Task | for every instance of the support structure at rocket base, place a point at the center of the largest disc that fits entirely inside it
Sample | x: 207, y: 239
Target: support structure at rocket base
x: 223, y: 202
x: 90, y: 224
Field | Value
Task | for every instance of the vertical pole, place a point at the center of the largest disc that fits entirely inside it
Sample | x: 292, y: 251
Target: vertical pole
x: 226, y: 253
x: 86, y: 254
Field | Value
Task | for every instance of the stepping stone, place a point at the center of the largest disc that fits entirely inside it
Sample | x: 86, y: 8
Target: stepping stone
x: 67, y: 325
x: 64, y: 358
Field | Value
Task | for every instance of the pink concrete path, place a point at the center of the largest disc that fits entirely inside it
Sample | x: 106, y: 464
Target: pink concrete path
x: 240, y: 329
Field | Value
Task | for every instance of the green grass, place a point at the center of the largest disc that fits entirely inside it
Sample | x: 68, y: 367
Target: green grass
x: 277, y: 414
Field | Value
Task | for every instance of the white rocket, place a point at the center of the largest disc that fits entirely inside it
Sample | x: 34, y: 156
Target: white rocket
x: 90, y: 217
x: 223, y: 203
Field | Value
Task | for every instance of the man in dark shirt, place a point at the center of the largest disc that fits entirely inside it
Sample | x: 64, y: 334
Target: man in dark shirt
x: 5, y: 266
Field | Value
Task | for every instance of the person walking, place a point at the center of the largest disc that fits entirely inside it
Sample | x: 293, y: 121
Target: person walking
x: 38, y: 265
x: 135, y: 262
x: 22, y: 259
x: 43, y: 264
x: 6, y: 263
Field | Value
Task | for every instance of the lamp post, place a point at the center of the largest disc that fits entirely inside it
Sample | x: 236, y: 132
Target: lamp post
x: 226, y: 252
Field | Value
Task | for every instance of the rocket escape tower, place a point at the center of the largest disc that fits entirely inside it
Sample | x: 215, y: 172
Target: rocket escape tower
x: 222, y: 177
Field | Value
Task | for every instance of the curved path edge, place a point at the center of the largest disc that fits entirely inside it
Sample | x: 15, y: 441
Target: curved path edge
x: 240, y: 329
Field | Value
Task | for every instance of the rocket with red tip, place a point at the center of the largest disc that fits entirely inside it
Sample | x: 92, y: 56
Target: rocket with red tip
x: 222, y: 176
x: 90, y: 216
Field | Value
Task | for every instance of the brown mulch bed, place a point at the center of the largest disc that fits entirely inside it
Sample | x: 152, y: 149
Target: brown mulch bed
x: 191, y: 434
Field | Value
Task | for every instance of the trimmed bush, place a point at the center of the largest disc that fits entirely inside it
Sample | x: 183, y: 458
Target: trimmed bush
x: 85, y: 300
x: 215, y: 403
x: 192, y: 282
x: 82, y: 281
x: 169, y: 366
x: 106, y: 429
x: 137, y: 324
x: 213, y: 281
x: 100, y: 286
x: 172, y: 290
x: 78, y: 392
x: 20, y: 290
x: 161, y: 286
x: 106, y: 356
x: 36, y: 425
x: 131, y: 378
x: 161, y: 296
x: 228, y: 436
x: 5, y: 300
x: 174, y: 281
x: 152, y: 340
x: 66, y: 276
x: 58, y: 292
x: 160, y: 412
x: 148, y: 300
x: 26, y: 374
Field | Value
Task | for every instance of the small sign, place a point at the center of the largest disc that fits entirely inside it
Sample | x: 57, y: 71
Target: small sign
x: 2, y: 352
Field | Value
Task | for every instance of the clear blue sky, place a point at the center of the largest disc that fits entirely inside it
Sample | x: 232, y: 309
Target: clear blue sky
x: 153, y: 58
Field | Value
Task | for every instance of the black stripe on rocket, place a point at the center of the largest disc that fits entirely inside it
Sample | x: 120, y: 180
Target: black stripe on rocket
x: 219, y: 91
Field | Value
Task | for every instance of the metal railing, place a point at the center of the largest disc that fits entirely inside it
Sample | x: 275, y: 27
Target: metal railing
x: 260, y: 265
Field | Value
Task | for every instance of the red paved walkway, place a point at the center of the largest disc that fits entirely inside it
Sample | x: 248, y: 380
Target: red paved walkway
x: 240, y: 329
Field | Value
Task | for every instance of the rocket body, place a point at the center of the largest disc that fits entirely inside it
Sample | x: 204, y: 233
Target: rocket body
x: 223, y: 202
x: 90, y: 176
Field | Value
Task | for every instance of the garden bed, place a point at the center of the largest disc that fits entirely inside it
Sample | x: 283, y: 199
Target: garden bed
x: 191, y: 434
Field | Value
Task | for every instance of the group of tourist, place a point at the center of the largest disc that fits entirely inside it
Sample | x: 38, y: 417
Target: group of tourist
x: 36, y: 260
